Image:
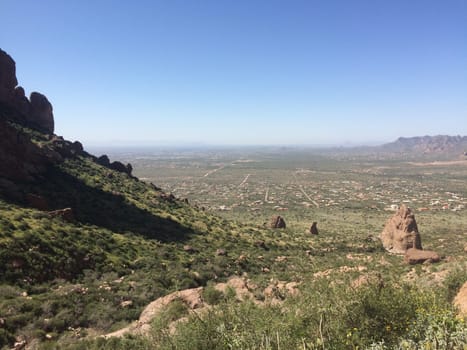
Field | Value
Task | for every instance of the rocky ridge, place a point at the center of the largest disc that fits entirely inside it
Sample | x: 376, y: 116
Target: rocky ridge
x: 25, y: 154
x: 35, y: 112
x: 428, y: 144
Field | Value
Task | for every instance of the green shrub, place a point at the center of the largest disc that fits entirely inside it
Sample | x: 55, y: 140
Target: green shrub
x: 454, y: 282
x: 211, y: 295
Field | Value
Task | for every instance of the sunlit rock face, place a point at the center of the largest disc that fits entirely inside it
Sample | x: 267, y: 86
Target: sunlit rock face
x: 401, y: 232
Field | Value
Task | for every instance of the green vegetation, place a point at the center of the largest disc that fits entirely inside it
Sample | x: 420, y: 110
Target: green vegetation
x: 63, y: 283
x: 324, y: 316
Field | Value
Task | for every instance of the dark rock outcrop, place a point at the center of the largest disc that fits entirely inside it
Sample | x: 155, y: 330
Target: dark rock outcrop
x: 277, y: 222
x: 401, y: 232
x: 8, y: 79
x: 35, y: 113
x: 40, y: 113
x: 314, y: 228
x: 103, y: 160
x: 122, y: 168
x: 67, y: 149
x: 117, y: 166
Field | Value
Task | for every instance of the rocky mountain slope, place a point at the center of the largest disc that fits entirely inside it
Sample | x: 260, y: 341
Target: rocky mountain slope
x: 439, y: 144
x: 83, y: 243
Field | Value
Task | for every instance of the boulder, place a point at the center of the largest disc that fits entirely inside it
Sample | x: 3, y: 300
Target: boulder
x: 416, y: 256
x: 460, y: 301
x: 401, y: 232
x: 277, y: 222
x: 314, y: 228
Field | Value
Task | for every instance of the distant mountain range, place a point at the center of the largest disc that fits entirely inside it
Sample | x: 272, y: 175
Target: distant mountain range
x: 439, y: 144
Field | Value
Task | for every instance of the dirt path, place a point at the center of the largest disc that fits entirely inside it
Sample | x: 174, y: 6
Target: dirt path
x: 244, y: 180
x: 210, y: 172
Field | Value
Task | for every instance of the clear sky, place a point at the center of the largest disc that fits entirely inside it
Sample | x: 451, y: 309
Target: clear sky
x: 243, y: 71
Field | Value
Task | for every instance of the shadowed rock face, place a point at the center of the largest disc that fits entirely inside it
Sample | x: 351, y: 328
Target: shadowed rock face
x: 20, y: 159
x: 40, y: 113
x: 35, y: 112
x: 401, y: 232
x: 8, y: 80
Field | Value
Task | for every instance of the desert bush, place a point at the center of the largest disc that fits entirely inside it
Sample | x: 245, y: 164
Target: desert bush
x: 211, y: 295
x: 326, y: 318
x: 454, y: 282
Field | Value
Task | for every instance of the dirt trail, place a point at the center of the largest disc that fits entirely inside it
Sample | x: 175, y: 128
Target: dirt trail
x: 244, y: 180
x: 214, y: 170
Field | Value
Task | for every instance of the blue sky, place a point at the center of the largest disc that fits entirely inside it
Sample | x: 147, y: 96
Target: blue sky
x: 243, y: 72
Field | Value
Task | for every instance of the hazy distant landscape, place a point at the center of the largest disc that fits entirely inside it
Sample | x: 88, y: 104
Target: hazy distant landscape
x: 254, y: 182
x: 241, y: 175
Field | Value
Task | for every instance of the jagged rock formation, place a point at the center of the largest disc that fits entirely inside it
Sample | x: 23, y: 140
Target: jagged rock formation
x: 122, y: 168
x: 314, y: 228
x: 277, y: 222
x: 35, y: 112
x: 401, y: 232
x: 40, y: 114
x: 21, y: 157
x: 117, y: 166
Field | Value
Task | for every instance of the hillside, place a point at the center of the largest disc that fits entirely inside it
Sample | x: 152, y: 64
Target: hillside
x: 80, y: 235
x: 85, y: 247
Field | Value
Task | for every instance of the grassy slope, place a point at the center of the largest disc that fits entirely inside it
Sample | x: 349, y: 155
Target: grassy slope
x: 127, y: 245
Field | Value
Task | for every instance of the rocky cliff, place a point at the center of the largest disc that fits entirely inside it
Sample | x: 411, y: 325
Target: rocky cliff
x: 35, y: 112
x: 28, y: 145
